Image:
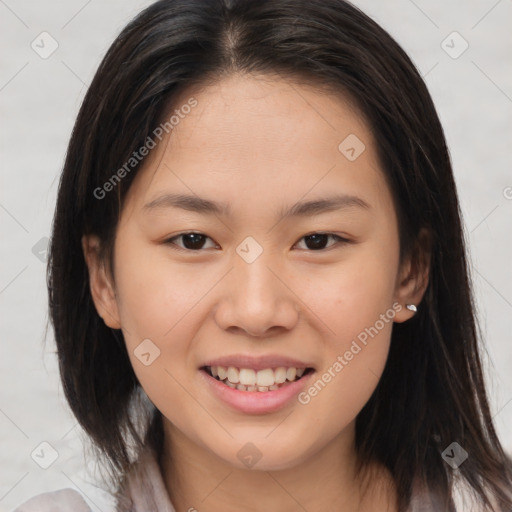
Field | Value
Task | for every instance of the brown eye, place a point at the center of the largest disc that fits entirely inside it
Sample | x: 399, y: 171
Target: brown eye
x: 191, y: 241
x: 196, y: 241
x: 318, y: 241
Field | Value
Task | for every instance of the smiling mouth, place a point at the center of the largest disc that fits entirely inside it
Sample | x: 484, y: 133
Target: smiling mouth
x: 247, y: 379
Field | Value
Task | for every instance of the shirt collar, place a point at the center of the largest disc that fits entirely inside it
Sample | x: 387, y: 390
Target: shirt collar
x: 145, y: 488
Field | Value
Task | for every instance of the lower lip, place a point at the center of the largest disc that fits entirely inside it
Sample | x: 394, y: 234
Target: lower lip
x: 256, y: 402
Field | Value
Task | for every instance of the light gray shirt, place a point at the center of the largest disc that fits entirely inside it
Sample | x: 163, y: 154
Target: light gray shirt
x: 145, y: 491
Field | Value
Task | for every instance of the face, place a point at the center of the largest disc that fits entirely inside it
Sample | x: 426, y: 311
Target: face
x: 285, y: 255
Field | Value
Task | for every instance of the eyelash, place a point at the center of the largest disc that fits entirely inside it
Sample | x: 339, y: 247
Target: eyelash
x: 170, y: 242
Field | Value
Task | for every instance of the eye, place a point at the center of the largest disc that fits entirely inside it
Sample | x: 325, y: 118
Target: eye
x: 195, y: 241
x: 192, y: 241
x: 317, y: 241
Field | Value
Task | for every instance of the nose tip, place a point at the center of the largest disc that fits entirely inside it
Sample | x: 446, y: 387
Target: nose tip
x: 257, y: 306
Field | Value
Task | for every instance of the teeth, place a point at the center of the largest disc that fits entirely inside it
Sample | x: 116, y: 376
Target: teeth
x: 291, y: 373
x: 280, y: 375
x: 247, y: 379
x: 265, y: 378
x: 233, y: 375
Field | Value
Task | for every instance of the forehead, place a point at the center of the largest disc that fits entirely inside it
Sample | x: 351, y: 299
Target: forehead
x: 270, y: 115
x: 259, y: 137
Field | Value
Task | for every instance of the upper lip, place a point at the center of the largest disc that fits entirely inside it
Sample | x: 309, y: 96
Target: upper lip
x: 257, y: 362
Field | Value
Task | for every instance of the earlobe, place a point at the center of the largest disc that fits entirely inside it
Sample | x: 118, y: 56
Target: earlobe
x: 100, y: 283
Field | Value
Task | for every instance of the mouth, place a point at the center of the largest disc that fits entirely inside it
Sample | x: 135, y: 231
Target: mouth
x: 256, y: 381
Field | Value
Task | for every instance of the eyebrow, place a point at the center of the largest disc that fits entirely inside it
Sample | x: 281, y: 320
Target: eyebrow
x: 209, y: 207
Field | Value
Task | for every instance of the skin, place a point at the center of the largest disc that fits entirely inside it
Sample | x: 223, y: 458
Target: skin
x: 260, y: 144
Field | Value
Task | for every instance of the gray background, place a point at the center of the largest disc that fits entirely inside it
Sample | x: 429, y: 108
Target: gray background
x: 39, y: 100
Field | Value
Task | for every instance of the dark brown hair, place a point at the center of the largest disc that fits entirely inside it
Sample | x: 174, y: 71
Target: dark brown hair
x: 432, y: 391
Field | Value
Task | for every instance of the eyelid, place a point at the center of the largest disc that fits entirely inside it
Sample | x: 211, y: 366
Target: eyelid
x: 340, y: 240
x: 168, y: 241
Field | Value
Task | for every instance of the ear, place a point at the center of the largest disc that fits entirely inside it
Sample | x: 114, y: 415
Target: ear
x: 413, y: 277
x: 100, y: 282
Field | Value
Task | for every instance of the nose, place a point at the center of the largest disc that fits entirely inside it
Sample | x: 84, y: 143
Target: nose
x: 257, y: 299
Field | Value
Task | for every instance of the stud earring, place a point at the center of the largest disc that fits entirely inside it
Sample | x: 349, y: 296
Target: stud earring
x: 411, y: 307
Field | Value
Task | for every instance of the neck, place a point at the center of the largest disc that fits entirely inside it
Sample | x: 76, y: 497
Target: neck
x: 196, y: 478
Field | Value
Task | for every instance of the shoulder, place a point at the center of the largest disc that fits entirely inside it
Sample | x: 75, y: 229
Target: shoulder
x: 63, y: 500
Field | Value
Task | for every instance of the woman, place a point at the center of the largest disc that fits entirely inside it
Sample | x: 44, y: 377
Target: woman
x: 218, y: 355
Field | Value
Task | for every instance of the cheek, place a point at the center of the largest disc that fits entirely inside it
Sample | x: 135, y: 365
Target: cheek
x: 351, y: 294
x: 154, y: 293
x: 352, y: 367
x: 156, y: 303
x: 160, y: 301
x: 354, y: 305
